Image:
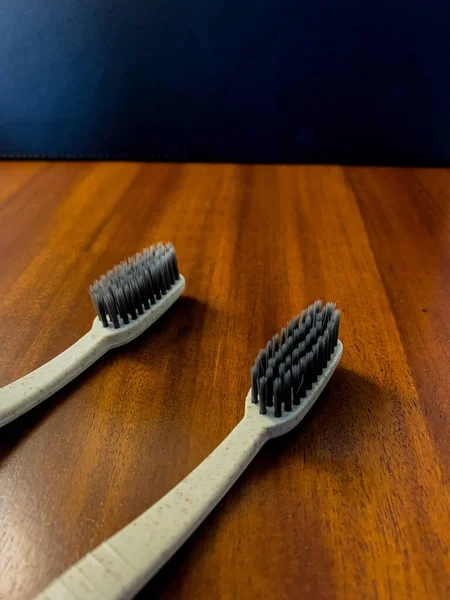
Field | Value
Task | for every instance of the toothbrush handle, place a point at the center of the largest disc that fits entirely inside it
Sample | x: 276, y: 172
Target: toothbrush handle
x: 22, y: 395
x: 123, y: 564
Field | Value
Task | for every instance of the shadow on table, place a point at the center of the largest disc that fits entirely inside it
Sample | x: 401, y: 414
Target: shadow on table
x: 351, y: 408
x: 173, y: 329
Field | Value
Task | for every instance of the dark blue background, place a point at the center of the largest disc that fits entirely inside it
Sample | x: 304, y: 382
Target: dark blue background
x: 255, y: 80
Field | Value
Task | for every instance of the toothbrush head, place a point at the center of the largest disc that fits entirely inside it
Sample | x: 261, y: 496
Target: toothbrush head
x: 136, y: 285
x: 290, y: 373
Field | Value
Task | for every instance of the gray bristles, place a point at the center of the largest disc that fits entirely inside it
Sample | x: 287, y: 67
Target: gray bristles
x: 130, y: 288
x: 293, y: 361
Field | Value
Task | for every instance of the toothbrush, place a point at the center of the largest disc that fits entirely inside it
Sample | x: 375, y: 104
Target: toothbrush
x: 128, y: 299
x: 287, y: 378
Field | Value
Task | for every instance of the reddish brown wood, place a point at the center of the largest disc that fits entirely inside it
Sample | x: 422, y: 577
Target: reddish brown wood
x: 355, y: 502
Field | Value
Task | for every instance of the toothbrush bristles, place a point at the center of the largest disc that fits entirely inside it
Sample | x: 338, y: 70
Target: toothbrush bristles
x: 132, y: 287
x: 293, y: 361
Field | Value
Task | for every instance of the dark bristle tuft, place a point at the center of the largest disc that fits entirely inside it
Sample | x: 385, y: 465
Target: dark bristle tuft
x: 156, y: 277
x: 309, y: 371
x: 277, y: 397
x: 121, y: 302
x: 319, y: 323
x: 263, y: 359
x: 133, y: 286
x: 308, y: 323
x: 287, y: 391
x: 255, y: 384
x: 269, y: 377
x: 111, y: 308
x: 290, y: 329
x: 278, y: 359
x: 302, y: 348
x: 289, y: 346
x: 296, y: 381
x: 315, y: 363
x: 159, y: 264
x: 292, y: 362
x: 303, y: 377
x: 276, y: 343
x: 262, y: 395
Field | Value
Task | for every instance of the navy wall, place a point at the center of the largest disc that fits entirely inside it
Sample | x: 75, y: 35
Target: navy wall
x: 243, y: 80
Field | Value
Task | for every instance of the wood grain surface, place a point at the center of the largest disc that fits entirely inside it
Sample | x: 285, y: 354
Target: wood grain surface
x: 355, y: 502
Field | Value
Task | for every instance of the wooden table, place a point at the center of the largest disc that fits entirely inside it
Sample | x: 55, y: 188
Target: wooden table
x: 355, y: 502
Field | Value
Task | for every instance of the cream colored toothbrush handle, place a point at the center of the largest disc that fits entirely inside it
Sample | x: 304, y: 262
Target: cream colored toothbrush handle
x: 24, y: 394
x: 122, y: 565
